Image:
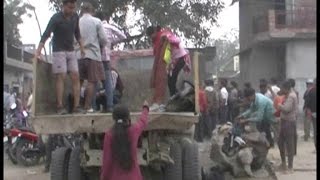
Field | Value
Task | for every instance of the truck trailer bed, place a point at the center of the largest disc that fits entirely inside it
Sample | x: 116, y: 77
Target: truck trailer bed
x: 100, y: 122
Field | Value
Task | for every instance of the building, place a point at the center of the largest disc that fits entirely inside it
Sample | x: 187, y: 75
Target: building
x: 277, y: 39
x: 17, y: 66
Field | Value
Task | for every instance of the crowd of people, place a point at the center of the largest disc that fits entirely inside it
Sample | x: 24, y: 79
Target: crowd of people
x: 96, y: 83
x: 273, y: 108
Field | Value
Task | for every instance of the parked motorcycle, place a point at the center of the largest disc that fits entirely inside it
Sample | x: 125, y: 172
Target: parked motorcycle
x: 23, y: 145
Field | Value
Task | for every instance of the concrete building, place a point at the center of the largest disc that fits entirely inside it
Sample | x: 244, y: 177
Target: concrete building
x: 17, y: 66
x: 277, y: 39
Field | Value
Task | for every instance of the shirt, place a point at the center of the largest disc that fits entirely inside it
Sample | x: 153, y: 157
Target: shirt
x: 224, y: 95
x: 64, y: 31
x: 275, y: 89
x: 290, y: 107
x: 113, y: 35
x: 260, y: 110
x: 212, y: 99
x: 202, y: 101
x: 110, y: 169
x: 92, y: 35
x: 311, y: 100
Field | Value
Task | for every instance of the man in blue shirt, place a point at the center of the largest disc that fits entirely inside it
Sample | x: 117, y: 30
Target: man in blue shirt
x: 260, y: 111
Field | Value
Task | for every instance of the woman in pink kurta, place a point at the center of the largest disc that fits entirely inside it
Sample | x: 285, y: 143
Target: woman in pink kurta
x: 120, y: 146
x: 162, y: 72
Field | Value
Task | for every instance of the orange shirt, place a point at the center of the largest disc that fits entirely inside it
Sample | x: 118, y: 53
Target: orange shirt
x: 276, y: 102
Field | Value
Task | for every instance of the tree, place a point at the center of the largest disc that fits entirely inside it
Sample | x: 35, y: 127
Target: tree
x: 226, y: 47
x: 13, y: 11
x: 184, y: 17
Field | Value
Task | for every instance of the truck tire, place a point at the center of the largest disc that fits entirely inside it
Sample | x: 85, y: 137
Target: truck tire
x: 59, y: 164
x: 190, y: 162
x: 174, y: 171
x: 74, y: 170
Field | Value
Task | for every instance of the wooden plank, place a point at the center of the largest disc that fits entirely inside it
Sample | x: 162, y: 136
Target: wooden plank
x: 99, y: 123
x: 196, y: 80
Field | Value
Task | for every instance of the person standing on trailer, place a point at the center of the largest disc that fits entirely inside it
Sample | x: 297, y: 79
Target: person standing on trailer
x: 65, y: 27
x: 90, y: 66
x: 170, y: 57
x: 113, y: 36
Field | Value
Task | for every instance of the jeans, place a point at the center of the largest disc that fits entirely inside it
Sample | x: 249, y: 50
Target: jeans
x: 172, y: 80
x: 94, y: 97
x: 108, y: 84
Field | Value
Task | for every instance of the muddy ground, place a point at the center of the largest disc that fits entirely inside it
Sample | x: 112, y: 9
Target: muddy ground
x: 304, y: 164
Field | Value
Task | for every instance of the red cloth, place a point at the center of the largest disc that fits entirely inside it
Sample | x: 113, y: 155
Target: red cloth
x: 276, y: 102
x: 203, y: 101
x: 159, y: 72
x: 110, y: 169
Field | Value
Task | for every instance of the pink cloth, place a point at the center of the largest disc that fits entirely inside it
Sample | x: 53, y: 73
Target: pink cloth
x: 110, y: 169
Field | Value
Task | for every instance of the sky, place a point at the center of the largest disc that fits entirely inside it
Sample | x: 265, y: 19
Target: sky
x: 29, y: 31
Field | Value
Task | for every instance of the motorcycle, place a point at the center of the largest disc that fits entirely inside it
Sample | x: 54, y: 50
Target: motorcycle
x: 23, y: 146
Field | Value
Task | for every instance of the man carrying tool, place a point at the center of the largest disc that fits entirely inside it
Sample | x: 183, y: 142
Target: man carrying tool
x: 65, y: 27
x: 261, y: 111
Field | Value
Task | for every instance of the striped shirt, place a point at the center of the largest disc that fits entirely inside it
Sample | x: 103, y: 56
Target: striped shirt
x: 113, y: 35
x: 114, y: 77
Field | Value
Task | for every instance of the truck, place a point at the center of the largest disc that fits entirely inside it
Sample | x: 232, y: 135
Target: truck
x: 166, y: 147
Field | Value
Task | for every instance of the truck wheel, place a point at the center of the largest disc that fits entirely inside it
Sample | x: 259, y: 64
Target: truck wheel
x: 190, y: 161
x: 59, y: 163
x: 74, y: 170
x: 174, y: 171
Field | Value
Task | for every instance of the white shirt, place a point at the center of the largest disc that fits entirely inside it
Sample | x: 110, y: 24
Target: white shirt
x: 92, y: 35
x: 275, y: 89
x: 224, y: 94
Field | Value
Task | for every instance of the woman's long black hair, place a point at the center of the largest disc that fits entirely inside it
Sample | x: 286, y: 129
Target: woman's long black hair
x: 120, y: 144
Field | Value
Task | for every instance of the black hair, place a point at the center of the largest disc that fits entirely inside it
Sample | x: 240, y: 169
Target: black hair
x: 273, y: 80
x: 234, y: 84
x: 64, y: 2
x: 292, y: 82
x: 209, y: 82
x: 121, y: 145
x: 247, y: 92
x: 287, y: 85
x: 224, y: 82
x: 247, y: 85
x: 103, y: 15
x: 87, y: 8
x: 152, y: 29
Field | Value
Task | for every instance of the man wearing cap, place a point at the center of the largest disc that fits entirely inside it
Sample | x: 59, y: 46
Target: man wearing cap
x: 307, y: 120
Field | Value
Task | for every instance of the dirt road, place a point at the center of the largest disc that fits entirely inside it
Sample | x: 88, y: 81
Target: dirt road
x: 304, y: 164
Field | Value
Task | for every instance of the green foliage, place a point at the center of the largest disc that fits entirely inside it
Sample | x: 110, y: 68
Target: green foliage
x: 185, y: 17
x: 13, y: 11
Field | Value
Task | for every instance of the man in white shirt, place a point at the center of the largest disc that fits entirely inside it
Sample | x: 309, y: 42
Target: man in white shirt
x: 223, y: 112
x: 91, y: 67
x: 274, y: 86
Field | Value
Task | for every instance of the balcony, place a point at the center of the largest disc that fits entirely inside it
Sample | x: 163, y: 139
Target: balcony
x: 17, y: 57
x: 297, y: 23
